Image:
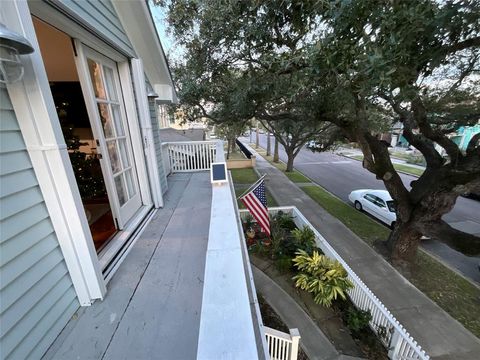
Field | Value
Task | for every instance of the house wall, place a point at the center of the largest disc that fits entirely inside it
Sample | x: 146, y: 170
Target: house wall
x: 157, y: 143
x: 37, y: 295
x: 100, y: 16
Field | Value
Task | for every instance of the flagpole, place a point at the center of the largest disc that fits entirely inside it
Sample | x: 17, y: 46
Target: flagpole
x: 252, y: 186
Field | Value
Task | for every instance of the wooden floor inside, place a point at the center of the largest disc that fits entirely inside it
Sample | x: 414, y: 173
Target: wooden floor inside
x: 153, y: 305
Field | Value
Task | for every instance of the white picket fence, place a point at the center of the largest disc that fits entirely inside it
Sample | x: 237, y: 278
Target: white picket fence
x: 282, y: 346
x: 188, y: 156
x: 400, y: 344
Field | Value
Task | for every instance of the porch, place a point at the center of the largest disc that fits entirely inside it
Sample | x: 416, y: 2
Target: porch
x: 153, y: 305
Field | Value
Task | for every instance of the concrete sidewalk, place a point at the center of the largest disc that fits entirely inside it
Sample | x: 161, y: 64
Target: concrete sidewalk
x: 441, y: 336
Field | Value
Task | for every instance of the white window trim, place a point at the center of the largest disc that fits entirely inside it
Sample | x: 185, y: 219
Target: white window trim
x: 146, y: 126
x: 38, y: 120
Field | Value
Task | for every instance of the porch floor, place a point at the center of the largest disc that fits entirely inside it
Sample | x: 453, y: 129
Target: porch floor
x: 153, y: 304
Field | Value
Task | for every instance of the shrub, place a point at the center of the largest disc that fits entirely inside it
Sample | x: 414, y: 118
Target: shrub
x: 283, y: 264
x: 304, y: 239
x: 357, y: 319
x: 326, y: 279
x: 415, y: 159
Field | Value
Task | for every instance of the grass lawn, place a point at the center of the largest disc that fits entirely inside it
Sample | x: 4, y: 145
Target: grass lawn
x: 244, y: 176
x: 451, y: 292
x: 408, y: 169
x: 400, y: 167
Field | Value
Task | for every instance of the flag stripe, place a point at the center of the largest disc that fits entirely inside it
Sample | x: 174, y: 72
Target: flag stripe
x: 256, y: 202
x: 254, y: 207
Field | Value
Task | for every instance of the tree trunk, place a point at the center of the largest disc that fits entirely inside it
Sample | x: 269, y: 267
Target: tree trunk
x: 268, y: 144
x: 275, y: 152
x: 403, y: 243
x: 228, y: 149
x: 257, y: 138
x: 290, y: 158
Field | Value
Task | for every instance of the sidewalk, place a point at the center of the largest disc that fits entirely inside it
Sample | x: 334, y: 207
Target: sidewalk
x: 441, y: 336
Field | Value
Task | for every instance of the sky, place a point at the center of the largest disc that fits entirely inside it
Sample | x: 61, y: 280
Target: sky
x: 168, y: 42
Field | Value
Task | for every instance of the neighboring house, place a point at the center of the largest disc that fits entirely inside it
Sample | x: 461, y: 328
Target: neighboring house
x: 464, y: 134
x: 82, y: 102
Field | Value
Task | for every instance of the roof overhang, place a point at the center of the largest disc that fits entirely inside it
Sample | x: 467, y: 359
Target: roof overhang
x: 138, y: 23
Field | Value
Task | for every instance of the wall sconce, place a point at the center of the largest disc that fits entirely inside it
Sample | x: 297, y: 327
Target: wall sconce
x: 11, y: 46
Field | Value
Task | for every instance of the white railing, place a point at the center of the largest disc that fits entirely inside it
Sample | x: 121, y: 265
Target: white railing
x: 188, y: 156
x: 400, y: 344
x: 282, y: 346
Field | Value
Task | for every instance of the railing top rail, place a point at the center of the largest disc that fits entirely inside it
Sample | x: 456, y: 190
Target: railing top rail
x: 276, y: 333
x: 189, y: 142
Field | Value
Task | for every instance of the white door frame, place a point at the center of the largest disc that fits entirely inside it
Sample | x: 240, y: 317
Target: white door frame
x: 123, y: 213
x: 33, y: 104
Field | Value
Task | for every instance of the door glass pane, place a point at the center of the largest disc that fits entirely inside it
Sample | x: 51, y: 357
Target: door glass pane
x: 106, y: 120
x: 112, y: 92
x: 117, y: 120
x: 96, y: 76
x: 123, y: 153
x: 122, y: 196
x: 113, y: 155
x: 130, y: 187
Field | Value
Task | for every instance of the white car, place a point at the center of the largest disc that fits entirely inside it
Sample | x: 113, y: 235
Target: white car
x: 378, y: 203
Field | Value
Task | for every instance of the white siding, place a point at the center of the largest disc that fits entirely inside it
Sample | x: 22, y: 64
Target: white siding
x: 37, y: 295
x: 157, y: 143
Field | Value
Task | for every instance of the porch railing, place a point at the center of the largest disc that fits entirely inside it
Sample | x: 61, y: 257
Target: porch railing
x: 188, y: 156
x: 400, y: 344
x: 282, y: 346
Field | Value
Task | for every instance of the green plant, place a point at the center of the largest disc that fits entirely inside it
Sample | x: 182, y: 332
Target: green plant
x: 283, y: 264
x: 325, y: 278
x: 357, y: 319
x: 304, y: 239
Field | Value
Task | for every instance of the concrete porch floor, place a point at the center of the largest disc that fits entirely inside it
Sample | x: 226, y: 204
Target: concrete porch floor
x: 153, y: 304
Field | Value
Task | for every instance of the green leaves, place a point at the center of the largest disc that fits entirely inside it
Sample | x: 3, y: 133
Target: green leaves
x: 326, y: 279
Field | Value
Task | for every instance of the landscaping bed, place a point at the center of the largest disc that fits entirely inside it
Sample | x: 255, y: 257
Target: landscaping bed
x: 280, y: 257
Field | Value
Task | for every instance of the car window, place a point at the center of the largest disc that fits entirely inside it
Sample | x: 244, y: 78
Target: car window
x: 380, y: 202
x: 370, y: 198
x: 391, y: 206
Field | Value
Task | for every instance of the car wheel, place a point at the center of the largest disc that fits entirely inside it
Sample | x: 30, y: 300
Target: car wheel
x: 358, y: 206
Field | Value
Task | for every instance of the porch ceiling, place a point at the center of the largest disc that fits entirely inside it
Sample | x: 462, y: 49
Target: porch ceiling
x: 153, y: 305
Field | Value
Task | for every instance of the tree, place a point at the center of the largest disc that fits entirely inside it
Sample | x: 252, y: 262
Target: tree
x: 359, y: 65
x: 388, y: 65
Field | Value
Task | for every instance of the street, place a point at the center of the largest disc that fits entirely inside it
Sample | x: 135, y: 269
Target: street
x: 341, y: 175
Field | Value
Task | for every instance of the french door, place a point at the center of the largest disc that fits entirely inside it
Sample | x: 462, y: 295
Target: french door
x: 101, y: 84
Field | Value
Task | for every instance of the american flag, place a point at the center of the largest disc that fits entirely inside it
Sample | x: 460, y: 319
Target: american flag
x: 256, y: 202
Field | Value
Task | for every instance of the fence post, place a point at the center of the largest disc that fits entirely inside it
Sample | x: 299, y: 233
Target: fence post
x: 295, y: 335
x: 394, y: 343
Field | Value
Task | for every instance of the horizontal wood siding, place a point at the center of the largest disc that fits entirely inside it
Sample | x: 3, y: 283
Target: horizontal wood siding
x: 100, y: 15
x: 37, y: 295
x: 157, y: 144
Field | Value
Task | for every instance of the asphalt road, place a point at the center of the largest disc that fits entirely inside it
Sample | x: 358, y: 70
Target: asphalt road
x: 341, y: 175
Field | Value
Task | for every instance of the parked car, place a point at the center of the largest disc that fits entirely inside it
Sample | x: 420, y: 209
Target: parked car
x: 377, y: 203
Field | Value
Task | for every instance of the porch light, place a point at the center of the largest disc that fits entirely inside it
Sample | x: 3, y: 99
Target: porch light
x: 11, y: 46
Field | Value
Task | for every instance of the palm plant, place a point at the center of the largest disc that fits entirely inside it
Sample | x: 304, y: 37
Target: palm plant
x: 325, y: 278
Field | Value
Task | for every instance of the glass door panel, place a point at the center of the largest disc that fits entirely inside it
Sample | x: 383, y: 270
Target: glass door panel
x: 113, y: 135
